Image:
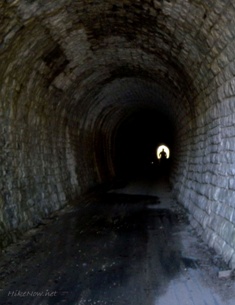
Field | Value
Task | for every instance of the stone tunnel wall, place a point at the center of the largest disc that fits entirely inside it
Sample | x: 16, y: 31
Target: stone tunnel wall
x: 206, y: 188
x: 37, y: 154
x: 61, y: 63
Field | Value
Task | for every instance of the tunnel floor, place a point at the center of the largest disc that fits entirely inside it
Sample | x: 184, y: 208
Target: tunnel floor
x: 126, y: 246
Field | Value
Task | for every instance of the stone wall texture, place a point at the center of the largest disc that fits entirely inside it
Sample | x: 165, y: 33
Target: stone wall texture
x: 72, y: 71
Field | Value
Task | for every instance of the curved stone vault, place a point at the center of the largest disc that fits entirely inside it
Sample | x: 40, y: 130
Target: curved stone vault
x: 74, y: 77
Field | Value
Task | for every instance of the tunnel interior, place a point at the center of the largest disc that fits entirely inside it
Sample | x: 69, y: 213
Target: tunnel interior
x: 136, y: 142
x: 89, y: 89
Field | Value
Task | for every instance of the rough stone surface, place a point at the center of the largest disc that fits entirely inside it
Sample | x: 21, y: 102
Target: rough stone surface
x: 71, y: 71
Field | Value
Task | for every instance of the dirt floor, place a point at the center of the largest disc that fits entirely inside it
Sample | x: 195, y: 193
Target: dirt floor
x: 128, y: 246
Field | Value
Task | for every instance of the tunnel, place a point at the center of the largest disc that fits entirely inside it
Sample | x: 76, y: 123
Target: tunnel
x: 90, y: 89
x: 136, y: 144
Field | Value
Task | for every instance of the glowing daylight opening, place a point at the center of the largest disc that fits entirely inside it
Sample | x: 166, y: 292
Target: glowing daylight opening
x: 159, y: 150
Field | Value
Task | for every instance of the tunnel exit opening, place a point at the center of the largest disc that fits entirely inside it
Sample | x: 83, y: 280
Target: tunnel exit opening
x: 162, y: 152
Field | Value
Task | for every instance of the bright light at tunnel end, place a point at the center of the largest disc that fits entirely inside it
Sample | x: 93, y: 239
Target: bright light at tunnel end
x: 160, y: 148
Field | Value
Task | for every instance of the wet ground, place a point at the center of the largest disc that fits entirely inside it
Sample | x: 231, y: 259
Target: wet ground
x: 129, y: 246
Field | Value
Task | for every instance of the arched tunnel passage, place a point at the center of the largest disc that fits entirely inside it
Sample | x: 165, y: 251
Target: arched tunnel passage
x: 74, y: 76
x: 135, y: 115
x: 137, y: 139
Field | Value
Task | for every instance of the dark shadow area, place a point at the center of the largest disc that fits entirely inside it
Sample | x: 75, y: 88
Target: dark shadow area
x: 136, y: 142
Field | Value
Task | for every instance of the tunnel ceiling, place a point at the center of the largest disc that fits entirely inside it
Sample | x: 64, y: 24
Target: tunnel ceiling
x: 89, y: 64
x: 74, y: 59
x: 68, y: 47
x: 73, y: 45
